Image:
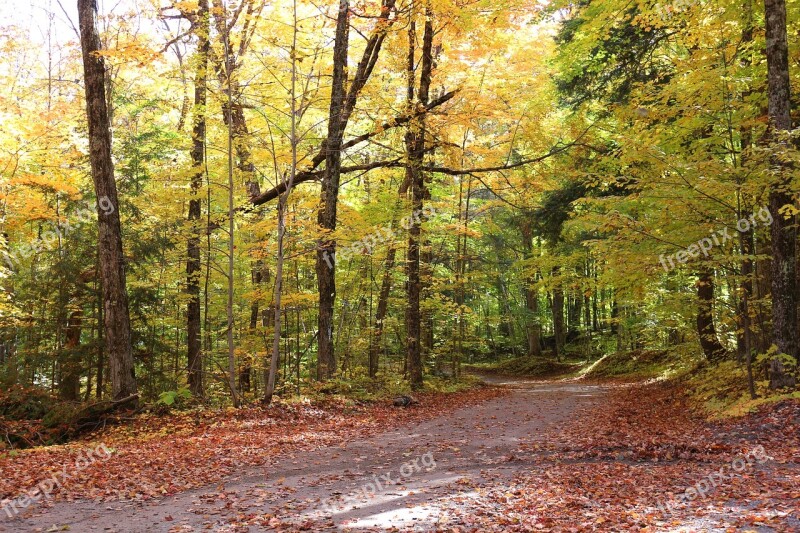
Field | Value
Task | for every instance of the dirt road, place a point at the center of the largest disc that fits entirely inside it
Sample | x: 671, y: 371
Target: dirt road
x: 402, y: 479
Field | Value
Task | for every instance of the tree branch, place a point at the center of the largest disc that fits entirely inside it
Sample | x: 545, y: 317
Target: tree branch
x: 311, y: 173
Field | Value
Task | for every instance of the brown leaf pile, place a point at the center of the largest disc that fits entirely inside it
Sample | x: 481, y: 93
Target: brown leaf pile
x: 624, y: 465
x: 155, y: 456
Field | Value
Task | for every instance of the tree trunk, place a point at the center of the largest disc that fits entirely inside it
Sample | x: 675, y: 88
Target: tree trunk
x: 415, y: 148
x: 235, y: 119
x: 101, y: 360
x: 426, y: 275
x: 193, y: 266
x: 783, y: 232
x: 558, y: 316
x: 712, y: 349
x: 533, y: 328
x: 380, y: 313
x: 574, y: 313
x: 326, y: 251
x: 112, y: 265
x: 70, y: 364
x: 283, y: 201
x: 745, y: 338
x: 230, y: 270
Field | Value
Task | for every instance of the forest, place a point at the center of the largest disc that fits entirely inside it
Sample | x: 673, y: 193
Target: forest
x: 246, y: 212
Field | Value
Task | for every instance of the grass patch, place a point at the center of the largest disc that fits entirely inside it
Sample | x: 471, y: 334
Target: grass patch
x: 642, y: 364
x: 382, y: 387
x: 528, y: 366
x: 720, y: 391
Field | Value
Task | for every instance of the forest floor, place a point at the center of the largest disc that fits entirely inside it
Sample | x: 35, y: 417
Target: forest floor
x: 520, y: 456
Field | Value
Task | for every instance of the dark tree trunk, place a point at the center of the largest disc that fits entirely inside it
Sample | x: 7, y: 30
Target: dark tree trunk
x: 574, y: 313
x: 342, y: 104
x: 712, y: 349
x: 380, y: 313
x: 326, y: 272
x: 744, y: 339
x: 112, y: 266
x: 70, y: 363
x: 616, y: 330
x: 193, y: 266
x: 415, y: 148
x: 533, y: 328
x: 101, y: 360
x: 426, y: 273
x: 558, y: 316
x: 784, y: 234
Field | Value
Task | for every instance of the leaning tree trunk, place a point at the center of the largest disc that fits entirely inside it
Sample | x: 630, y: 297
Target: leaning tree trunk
x: 117, y: 326
x: 783, y: 232
x: 383, y: 296
x: 193, y: 266
x: 712, y: 349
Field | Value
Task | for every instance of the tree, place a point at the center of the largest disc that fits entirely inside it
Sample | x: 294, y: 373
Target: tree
x: 117, y: 326
x: 342, y: 103
x: 706, y: 331
x: 415, y: 152
x: 194, y: 355
x: 326, y: 252
x: 783, y: 230
x: 282, y: 204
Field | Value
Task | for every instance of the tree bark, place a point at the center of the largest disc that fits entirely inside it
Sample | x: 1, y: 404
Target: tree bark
x: 712, y: 349
x: 783, y: 232
x: 326, y: 251
x: 112, y: 266
x: 415, y: 149
x: 193, y: 266
x: 70, y: 364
